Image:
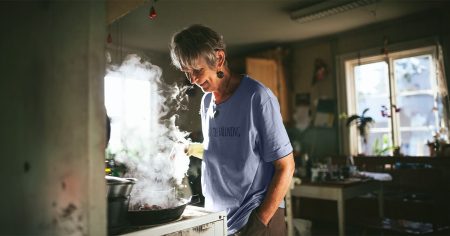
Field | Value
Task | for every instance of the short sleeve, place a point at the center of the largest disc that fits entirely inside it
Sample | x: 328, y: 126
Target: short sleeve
x: 274, y: 142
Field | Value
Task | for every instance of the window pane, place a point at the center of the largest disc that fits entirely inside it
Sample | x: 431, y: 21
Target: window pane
x: 418, y: 118
x: 378, y: 143
x: 414, y: 143
x: 413, y: 73
x: 416, y: 111
x: 372, y: 79
x: 128, y: 101
x: 372, y: 91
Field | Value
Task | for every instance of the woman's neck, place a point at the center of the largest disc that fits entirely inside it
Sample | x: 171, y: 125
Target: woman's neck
x: 227, y: 87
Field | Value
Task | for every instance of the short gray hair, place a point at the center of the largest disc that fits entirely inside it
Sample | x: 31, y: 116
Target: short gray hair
x: 194, y: 42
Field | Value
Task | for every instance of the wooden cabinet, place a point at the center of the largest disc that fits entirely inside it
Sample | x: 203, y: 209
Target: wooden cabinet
x: 270, y: 72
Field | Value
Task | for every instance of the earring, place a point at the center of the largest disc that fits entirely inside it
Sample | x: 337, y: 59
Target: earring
x: 220, y: 74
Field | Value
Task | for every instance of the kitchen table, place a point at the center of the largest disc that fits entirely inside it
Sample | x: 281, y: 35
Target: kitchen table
x: 340, y: 191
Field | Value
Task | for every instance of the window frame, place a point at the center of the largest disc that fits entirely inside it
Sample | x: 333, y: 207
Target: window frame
x: 348, y: 136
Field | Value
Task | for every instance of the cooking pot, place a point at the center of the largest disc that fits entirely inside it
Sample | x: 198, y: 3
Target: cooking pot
x: 117, y: 214
x: 118, y: 193
x: 119, y: 187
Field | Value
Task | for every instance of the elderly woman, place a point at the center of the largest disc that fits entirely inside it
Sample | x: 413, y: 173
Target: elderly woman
x: 247, y: 160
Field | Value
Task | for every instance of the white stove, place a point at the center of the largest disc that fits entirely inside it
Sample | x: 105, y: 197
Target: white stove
x: 193, y: 221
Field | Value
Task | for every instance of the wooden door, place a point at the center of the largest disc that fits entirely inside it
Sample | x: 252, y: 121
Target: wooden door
x: 268, y: 72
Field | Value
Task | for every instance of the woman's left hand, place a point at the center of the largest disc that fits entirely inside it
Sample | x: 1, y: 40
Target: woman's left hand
x: 264, y: 221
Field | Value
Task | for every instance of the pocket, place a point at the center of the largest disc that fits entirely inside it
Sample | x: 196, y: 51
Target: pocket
x: 255, y: 215
x: 254, y: 226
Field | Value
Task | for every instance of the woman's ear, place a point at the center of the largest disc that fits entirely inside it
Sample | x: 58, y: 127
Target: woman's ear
x: 220, y: 54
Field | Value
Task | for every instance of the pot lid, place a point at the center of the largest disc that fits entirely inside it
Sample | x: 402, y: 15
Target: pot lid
x: 118, y: 180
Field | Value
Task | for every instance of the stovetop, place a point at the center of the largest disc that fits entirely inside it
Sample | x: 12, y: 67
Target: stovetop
x: 193, y: 217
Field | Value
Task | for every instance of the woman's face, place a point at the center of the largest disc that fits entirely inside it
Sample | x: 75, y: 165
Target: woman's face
x: 203, y: 76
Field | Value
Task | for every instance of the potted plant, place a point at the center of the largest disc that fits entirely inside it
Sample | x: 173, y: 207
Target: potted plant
x: 384, y: 147
x: 362, y: 123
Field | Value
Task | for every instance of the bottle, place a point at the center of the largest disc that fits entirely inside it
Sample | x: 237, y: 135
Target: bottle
x: 308, y: 167
x: 108, y: 168
x: 111, y: 168
x: 437, y: 147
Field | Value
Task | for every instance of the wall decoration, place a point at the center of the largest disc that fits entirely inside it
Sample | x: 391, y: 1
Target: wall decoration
x: 302, y: 111
x: 302, y: 99
x: 325, y: 113
x: 320, y: 70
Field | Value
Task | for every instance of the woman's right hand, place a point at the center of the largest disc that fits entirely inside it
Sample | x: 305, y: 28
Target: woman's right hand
x: 194, y: 149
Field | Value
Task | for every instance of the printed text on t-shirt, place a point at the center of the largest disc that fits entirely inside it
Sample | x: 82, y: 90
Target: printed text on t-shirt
x: 225, y: 132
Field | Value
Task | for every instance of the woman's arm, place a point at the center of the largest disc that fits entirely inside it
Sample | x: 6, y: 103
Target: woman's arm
x: 284, y: 170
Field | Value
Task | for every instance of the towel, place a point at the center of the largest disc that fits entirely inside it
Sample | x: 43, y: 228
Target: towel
x: 376, y: 176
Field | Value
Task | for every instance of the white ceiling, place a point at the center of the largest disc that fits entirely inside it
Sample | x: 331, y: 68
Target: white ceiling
x: 249, y: 24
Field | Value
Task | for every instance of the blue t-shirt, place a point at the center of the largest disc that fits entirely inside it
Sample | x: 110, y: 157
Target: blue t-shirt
x: 242, y: 137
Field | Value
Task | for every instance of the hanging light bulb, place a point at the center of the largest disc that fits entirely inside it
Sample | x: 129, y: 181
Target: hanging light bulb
x: 152, y: 14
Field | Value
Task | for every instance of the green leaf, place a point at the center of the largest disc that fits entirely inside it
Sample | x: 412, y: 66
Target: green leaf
x: 353, y: 118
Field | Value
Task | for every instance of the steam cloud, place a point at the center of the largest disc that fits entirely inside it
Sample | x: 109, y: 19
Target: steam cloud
x: 147, y: 141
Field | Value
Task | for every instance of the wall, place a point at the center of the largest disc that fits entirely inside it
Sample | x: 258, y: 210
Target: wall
x: 53, y: 120
x: 316, y: 141
x: 419, y: 26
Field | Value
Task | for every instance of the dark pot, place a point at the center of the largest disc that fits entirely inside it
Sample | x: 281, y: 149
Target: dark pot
x: 118, y: 194
x: 151, y: 217
x: 117, y: 214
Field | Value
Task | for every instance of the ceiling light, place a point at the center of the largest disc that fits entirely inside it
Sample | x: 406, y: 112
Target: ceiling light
x: 327, y: 8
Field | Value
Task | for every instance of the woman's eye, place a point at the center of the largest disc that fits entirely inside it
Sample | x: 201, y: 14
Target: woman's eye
x: 197, y: 72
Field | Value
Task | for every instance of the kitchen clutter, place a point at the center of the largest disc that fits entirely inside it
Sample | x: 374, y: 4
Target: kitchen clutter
x: 329, y: 170
x: 439, y: 145
x: 326, y: 170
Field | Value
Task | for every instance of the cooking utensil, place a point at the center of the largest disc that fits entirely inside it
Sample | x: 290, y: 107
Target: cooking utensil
x: 117, y: 214
x: 119, y: 187
x: 158, y: 216
x: 118, y: 192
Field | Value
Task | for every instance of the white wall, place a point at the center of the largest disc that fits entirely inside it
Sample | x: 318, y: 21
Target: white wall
x: 52, y: 123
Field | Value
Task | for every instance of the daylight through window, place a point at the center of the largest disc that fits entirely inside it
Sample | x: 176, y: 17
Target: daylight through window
x: 404, y: 98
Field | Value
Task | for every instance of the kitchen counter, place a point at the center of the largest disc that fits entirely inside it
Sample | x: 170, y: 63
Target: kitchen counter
x: 194, y: 221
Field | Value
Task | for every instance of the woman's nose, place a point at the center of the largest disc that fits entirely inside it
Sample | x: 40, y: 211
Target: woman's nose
x: 192, y: 78
x: 189, y: 77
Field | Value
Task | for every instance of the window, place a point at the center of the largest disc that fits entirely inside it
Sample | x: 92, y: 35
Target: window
x: 404, y: 93
x: 129, y: 103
